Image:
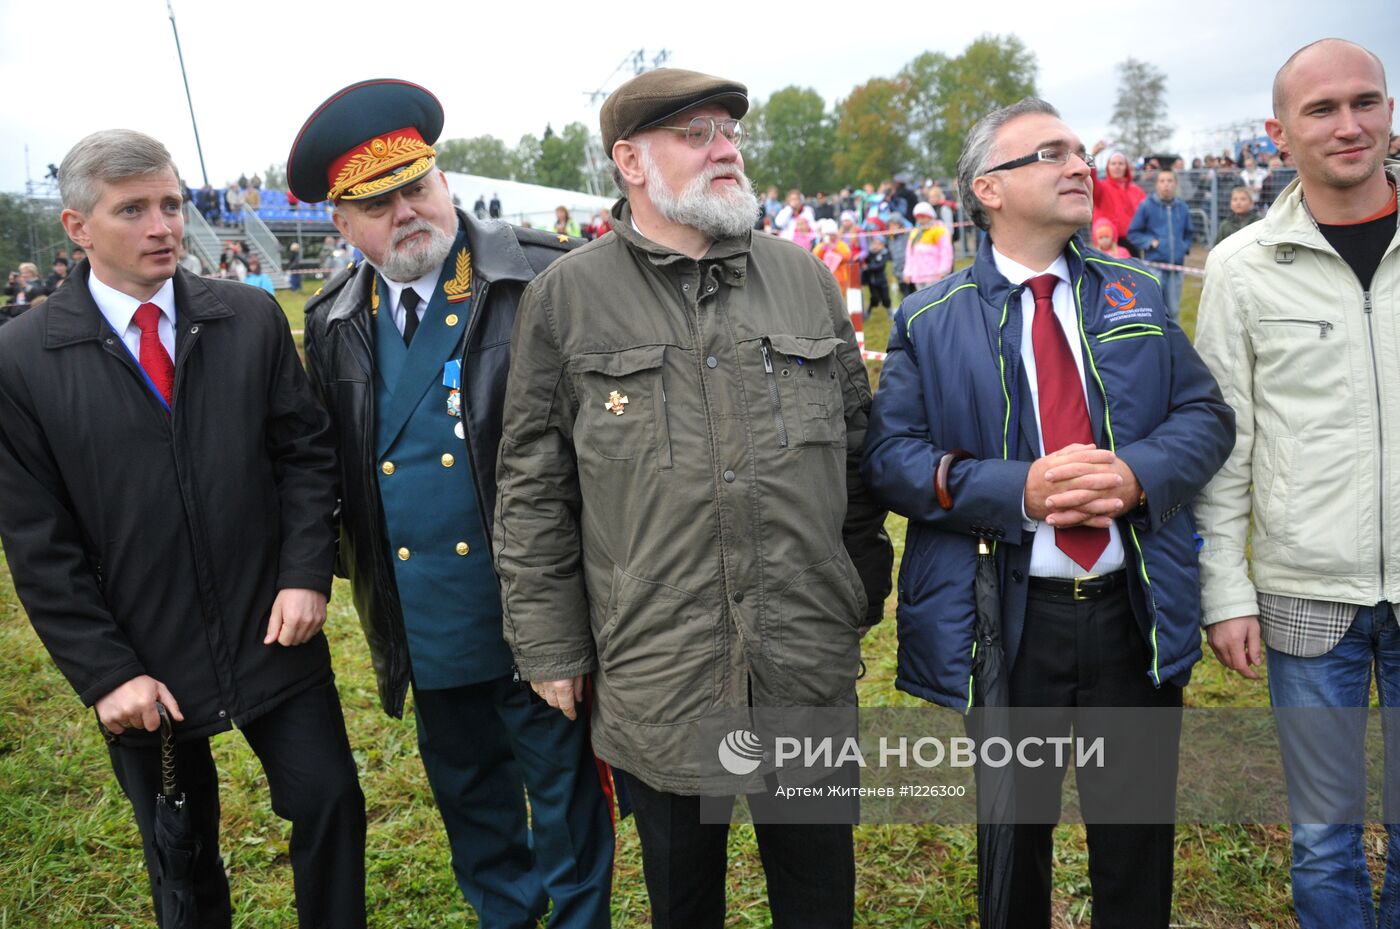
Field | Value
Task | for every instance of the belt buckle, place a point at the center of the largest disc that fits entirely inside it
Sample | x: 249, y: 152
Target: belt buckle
x: 1080, y: 580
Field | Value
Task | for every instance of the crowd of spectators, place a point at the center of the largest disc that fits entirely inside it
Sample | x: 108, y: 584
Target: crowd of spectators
x: 1143, y: 208
x: 869, y: 233
x: 25, y: 287
x: 220, y: 207
x: 865, y: 234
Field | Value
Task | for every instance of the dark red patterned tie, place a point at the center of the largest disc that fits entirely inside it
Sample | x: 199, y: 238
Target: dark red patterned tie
x: 1064, y: 418
x: 154, y: 358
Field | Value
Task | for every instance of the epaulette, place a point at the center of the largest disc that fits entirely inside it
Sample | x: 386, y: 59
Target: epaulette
x: 554, y: 240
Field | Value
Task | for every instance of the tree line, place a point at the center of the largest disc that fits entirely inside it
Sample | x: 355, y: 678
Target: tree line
x: 915, y: 121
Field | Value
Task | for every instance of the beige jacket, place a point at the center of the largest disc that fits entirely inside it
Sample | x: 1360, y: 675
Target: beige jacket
x: 1309, y: 362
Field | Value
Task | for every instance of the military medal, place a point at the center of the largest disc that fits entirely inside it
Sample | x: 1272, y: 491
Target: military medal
x: 617, y: 403
x: 452, y: 380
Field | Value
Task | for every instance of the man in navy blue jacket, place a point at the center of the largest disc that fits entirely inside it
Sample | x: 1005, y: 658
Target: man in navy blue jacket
x: 1161, y: 229
x: 1091, y: 425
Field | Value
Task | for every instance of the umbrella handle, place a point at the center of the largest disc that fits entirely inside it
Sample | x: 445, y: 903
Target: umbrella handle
x: 167, y: 751
x: 940, y: 476
x: 945, y: 496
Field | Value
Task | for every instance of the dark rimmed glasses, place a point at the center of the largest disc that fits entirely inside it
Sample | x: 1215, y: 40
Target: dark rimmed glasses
x: 701, y: 131
x: 1056, y: 156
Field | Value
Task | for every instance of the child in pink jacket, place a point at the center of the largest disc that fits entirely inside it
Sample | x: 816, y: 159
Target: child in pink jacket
x: 929, y: 255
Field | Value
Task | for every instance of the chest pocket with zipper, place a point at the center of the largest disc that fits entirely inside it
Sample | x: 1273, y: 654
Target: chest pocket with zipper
x: 804, y: 389
x: 622, y: 402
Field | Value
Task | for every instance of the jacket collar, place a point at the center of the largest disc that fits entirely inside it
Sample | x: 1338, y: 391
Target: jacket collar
x: 996, y: 289
x: 1289, y: 221
x: 496, y: 256
x: 731, y: 254
x: 496, y: 252
x: 72, y: 316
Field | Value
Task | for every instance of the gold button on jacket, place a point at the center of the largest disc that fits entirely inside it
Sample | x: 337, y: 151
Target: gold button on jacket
x: 403, y: 554
x: 463, y: 548
x: 448, y: 461
x: 387, y: 467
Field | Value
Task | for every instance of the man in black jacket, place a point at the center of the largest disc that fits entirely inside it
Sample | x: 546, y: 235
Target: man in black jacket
x: 167, y: 518
x: 410, y: 352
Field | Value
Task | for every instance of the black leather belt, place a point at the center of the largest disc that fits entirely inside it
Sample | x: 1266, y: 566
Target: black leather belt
x: 1089, y: 587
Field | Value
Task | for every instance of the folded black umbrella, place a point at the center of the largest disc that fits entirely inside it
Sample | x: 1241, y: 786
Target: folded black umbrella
x: 177, y: 847
x: 989, y: 717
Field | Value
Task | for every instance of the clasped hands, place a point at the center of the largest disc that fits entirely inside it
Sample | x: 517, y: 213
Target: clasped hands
x: 1080, y: 485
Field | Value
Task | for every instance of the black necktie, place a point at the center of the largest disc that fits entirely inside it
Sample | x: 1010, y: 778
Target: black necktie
x: 409, y: 300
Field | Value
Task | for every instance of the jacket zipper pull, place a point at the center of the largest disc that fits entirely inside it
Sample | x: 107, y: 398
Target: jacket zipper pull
x: 773, y: 396
x: 1324, y: 327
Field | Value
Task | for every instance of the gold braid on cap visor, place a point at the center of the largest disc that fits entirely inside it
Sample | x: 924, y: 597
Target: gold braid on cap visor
x: 360, y: 178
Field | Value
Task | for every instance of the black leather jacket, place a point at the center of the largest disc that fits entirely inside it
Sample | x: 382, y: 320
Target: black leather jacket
x: 340, y: 357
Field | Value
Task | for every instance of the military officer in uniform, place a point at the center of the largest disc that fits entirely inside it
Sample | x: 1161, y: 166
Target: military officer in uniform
x: 410, y: 352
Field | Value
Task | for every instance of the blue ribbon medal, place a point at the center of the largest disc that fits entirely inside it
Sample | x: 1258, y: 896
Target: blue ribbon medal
x: 452, y: 380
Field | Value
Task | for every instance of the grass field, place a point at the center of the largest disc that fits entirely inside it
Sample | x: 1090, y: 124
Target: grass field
x: 70, y: 856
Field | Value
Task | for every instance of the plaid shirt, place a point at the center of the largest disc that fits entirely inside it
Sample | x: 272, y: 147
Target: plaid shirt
x: 1305, y: 628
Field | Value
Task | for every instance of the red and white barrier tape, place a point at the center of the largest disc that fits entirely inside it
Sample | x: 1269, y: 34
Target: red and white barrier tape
x: 1194, y: 272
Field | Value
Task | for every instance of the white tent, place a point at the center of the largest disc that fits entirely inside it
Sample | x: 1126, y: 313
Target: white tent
x: 521, y: 202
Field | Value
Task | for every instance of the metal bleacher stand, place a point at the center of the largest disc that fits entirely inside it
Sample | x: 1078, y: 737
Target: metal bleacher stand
x: 202, y: 238
x: 264, y: 244
x: 258, y: 230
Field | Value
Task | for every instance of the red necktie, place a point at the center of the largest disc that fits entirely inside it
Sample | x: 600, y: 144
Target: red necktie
x: 154, y: 358
x: 1064, y: 418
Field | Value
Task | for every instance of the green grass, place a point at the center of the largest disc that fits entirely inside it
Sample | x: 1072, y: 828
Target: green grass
x: 70, y: 856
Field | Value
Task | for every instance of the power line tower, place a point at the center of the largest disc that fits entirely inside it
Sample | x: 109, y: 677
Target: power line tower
x: 41, y: 207
x: 637, y: 62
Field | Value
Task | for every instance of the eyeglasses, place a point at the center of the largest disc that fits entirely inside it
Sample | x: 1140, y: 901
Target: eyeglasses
x: 701, y: 131
x: 1056, y: 156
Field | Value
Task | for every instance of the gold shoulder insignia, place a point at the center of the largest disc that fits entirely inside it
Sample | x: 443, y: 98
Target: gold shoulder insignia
x: 562, y: 239
x: 318, y: 291
x: 460, y: 287
x: 374, y: 296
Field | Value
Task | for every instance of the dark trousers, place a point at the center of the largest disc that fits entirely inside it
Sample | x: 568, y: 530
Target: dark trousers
x: 314, y: 785
x: 879, y: 293
x: 810, y: 868
x: 484, y: 747
x: 1090, y: 654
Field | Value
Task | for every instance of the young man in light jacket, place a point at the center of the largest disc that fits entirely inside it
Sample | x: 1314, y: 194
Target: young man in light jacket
x: 1298, y: 322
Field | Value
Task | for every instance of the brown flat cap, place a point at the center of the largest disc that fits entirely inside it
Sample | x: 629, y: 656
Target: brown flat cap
x: 653, y: 97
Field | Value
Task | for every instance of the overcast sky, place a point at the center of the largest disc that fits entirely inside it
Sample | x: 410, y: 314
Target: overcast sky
x: 257, y: 68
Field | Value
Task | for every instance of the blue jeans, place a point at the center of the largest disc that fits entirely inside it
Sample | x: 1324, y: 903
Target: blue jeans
x: 1171, y: 291
x: 1331, y: 886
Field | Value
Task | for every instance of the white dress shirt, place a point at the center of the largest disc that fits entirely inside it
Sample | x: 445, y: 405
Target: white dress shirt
x: 424, y: 287
x: 1047, y: 560
x: 119, y: 310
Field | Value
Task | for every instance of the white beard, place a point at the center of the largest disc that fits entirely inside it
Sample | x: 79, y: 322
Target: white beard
x: 722, y: 214
x: 413, y: 263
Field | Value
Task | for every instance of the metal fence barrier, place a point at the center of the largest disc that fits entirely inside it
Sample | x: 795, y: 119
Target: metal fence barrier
x: 1207, y: 194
